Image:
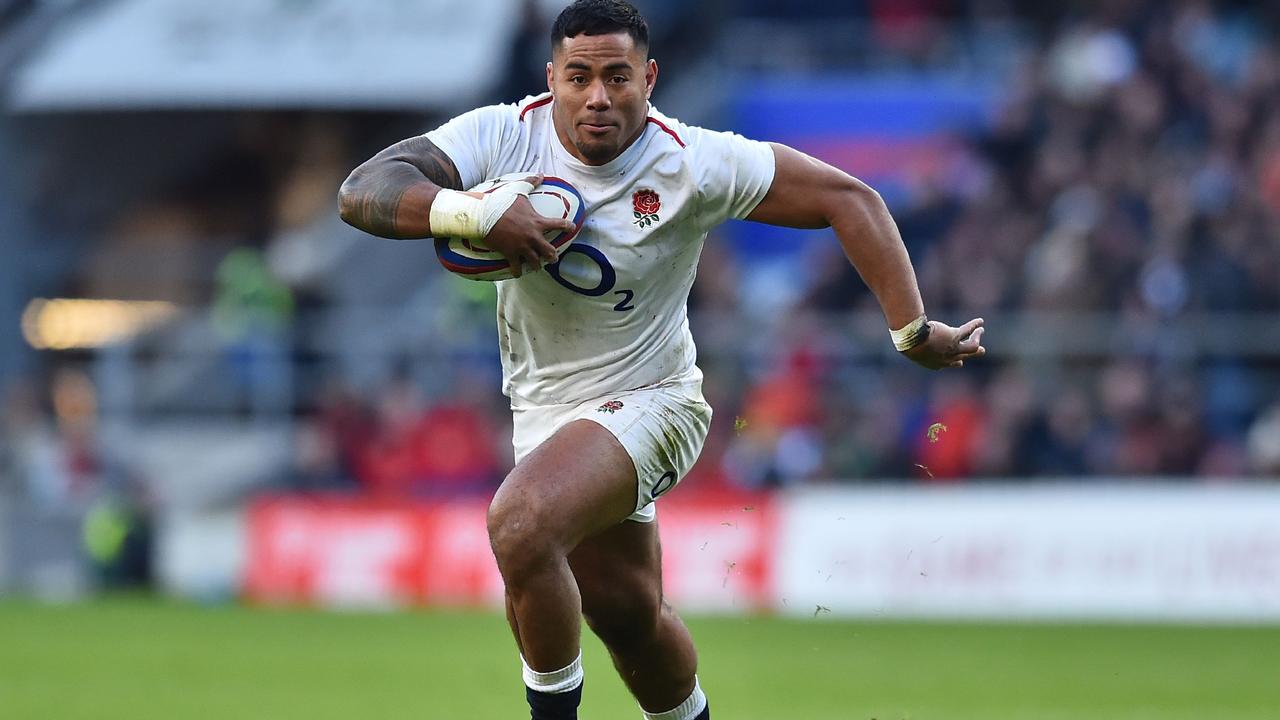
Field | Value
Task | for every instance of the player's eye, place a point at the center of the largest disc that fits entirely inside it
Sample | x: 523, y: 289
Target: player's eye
x: 619, y: 79
x: 578, y: 79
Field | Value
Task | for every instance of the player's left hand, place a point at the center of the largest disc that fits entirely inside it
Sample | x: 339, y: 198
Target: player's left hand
x: 949, y: 347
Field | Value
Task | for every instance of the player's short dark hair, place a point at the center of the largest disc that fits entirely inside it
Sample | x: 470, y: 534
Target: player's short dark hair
x: 600, y: 17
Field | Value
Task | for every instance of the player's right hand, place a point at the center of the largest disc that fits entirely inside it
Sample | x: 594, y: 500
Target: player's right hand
x: 949, y: 347
x: 520, y: 233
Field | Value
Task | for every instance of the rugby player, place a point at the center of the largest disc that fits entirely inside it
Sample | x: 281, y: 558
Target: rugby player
x: 597, y: 357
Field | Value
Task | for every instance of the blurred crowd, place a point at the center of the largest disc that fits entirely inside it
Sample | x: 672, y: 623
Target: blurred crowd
x: 1131, y: 171
x: 402, y: 444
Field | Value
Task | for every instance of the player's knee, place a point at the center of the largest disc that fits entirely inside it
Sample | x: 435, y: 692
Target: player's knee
x: 622, y: 616
x: 520, y: 541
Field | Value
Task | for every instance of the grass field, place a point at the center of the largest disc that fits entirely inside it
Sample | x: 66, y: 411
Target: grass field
x: 143, y: 659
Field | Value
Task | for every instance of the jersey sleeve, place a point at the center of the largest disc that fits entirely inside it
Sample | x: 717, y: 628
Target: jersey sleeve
x: 733, y: 174
x: 475, y: 141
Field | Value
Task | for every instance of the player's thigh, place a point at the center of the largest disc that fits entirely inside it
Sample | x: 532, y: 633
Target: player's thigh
x: 619, y: 575
x: 662, y: 429
x: 575, y: 484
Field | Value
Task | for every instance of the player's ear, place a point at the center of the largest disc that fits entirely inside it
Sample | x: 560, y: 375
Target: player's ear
x: 550, y: 72
x: 650, y: 76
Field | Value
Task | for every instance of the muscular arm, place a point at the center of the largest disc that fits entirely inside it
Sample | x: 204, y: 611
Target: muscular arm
x: 808, y: 193
x: 390, y: 194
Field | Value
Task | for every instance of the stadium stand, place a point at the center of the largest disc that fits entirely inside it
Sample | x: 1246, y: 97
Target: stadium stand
x: 1101, y: 183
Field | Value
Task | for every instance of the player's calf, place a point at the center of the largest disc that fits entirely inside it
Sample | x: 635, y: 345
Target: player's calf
x: 654, y: 655
x: 619, y: 578
x: 694, y: 707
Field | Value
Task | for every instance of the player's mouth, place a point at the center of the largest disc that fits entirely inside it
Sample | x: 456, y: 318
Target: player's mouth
x: 596, y: 129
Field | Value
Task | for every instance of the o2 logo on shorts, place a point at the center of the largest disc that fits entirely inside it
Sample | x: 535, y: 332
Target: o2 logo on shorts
x: 665, y: 483
x: 581, y: 276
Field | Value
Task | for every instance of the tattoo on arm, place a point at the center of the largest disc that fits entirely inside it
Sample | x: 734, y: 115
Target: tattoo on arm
x: 430, y: 161
x: 375, y: 190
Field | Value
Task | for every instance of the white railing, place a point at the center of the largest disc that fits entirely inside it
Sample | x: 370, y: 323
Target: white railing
x: 186, y: 368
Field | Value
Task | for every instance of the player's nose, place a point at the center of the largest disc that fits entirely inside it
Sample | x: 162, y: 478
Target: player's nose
x: 598, y: 97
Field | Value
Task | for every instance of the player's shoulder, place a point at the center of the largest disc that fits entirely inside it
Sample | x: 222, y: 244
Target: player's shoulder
x: 699, y: 140
x: 533, y: 108
x: 675, y: 131
x: 703, y: 148
x: 507, y: 115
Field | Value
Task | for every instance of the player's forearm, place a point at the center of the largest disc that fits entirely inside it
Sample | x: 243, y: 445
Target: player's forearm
x: 390, y: 195
x: 871, y: 241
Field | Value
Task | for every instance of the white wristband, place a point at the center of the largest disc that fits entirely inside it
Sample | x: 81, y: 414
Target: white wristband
x: 910, y: 335
x: 456, y: 214
x: 461, y: 214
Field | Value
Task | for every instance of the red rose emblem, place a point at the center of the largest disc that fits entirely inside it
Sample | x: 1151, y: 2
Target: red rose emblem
x: 646, y: 204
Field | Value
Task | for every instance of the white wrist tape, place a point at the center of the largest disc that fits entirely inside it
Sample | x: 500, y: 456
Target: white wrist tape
x: 910, y: 335
x: 460, y: 214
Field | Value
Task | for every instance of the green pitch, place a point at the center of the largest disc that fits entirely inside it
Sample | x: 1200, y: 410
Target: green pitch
x: 143, y: 659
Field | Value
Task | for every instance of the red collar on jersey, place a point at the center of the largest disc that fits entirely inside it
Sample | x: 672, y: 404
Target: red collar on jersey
x: 546, y: 100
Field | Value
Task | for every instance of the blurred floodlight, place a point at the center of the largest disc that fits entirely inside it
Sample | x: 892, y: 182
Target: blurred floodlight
x: 69, y: 324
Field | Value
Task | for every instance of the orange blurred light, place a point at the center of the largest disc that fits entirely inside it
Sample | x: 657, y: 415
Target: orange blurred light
x: 70, y: 324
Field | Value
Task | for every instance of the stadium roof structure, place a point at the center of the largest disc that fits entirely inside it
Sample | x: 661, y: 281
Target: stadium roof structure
x: 167, y: 55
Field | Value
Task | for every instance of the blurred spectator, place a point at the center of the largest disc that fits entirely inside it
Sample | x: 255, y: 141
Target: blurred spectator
x: 778, y: 440
x: 251, y: 313
x: 440, y: 450
x: 1264, y: 444
x: 333, y: 441
x: 317, y: 460
x: 53, y: 447
x: 948, y: 441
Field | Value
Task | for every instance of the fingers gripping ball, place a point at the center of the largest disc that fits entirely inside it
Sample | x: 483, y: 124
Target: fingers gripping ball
x: 554, y: 198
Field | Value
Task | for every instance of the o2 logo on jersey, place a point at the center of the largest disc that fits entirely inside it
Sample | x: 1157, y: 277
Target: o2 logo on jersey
x: 586, y: 271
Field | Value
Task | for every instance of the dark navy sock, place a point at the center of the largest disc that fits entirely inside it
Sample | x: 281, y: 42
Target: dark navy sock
x: 705, y: 714
x: 553, y: 706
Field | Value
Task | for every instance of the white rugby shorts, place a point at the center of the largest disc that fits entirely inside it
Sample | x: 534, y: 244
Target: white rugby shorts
x: 662, y: 429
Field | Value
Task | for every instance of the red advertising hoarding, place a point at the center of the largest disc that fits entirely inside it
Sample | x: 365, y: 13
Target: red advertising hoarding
x: 343, y: 552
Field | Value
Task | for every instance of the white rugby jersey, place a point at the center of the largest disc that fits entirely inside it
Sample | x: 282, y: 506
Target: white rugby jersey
x: 611, y: 315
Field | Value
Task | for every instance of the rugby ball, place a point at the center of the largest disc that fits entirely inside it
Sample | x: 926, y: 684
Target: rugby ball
x: 553, y: 198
